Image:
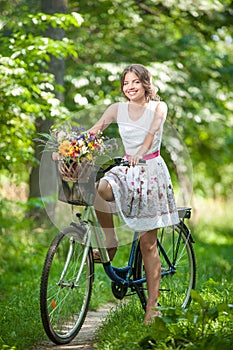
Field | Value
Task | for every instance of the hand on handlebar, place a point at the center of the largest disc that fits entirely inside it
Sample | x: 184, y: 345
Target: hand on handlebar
x: 134, y: 160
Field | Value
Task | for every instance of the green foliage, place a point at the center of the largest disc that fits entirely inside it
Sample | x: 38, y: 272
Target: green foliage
x: 22, y: 251
x: 206, y: 324
x: 20, y: 311
x: 28, y: 91
x: 187, y: 46
x: 23, y: 246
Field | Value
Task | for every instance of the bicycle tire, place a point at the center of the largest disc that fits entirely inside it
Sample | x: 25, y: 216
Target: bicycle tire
x: 64, y: 301
x: 175, y: 284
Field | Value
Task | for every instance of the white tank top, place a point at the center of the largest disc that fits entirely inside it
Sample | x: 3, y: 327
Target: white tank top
x: 133, y: 132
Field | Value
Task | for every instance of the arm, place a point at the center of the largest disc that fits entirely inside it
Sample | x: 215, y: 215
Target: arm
x: 109, y: 116
x: 159, y: 117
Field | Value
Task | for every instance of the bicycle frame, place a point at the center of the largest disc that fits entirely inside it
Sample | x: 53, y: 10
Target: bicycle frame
x: 91, y: 218
x: 114, y: 273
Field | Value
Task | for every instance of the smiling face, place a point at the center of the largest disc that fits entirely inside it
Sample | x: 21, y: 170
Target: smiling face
x: 133, y: 88
x: 142, y: 77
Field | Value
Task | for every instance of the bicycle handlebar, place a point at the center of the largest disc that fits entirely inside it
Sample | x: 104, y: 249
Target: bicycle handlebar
x: 117, y: 161
x: 123, y: 162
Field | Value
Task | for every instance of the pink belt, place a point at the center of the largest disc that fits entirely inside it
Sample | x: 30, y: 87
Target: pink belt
x: 147, y: 156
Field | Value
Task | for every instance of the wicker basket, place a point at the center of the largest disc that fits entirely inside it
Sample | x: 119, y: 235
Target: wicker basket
x: 76, y: 183
x: 73, y: 172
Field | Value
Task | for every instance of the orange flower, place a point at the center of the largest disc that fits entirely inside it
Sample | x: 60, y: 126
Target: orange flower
x: 64, y: 148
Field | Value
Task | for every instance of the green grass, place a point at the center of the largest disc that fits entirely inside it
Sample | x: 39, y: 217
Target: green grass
x: 23, y: 246
x: 197, y: 328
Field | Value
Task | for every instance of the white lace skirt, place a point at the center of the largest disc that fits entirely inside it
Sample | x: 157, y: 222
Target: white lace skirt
x: 144, y: 196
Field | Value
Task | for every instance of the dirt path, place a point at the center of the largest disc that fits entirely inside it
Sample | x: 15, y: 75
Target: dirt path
x: 86, y: 337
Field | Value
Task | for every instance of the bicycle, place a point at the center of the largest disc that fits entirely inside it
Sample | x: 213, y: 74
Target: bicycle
x: 68, y: 272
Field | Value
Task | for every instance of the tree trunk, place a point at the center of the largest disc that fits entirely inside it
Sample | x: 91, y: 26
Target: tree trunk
x: 57, y: 68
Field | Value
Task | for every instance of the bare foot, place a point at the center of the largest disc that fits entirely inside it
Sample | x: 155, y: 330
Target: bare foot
x: 151, y: 314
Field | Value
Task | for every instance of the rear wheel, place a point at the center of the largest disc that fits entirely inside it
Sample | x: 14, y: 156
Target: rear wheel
x: 66, y: 285
x: 178, y: 267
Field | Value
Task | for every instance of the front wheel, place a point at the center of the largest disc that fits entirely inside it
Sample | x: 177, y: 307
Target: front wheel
x: 66, y: 285
x: 178, y: 267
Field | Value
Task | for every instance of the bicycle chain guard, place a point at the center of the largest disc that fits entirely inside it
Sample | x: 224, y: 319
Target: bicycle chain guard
x: 119, y: 290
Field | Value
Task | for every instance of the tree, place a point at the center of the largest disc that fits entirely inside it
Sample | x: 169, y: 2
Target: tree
x: 27, y: 87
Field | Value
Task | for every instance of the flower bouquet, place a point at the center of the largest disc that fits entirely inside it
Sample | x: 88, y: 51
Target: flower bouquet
x: 76, y: 150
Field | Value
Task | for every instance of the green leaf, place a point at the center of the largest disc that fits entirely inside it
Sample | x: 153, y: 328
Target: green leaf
x: 212, y: 313
x: 159, y: 328
x: 198, y: 298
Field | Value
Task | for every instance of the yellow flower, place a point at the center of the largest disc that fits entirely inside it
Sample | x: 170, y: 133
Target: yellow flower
x: 89, y: 156
x: 71, y: 152
x: 91, y: 146
x: 64, y: 148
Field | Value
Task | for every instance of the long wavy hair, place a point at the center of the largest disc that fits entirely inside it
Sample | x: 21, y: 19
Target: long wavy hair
x: 145, y: 78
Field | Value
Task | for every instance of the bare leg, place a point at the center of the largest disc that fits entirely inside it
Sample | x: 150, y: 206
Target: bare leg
x: 148, y: 244
x: 104, y: 215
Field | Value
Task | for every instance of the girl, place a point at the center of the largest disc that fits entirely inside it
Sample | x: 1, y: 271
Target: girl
x: 143, y: 195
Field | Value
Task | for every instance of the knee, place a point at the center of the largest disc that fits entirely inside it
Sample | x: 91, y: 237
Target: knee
x: 148, y: 248
x: 105, y: 191
x: 148, y: 244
